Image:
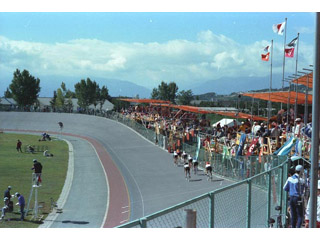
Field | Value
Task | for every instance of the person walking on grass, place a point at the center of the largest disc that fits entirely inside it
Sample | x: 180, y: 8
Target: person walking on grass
x: 21, y: 202
x: 19, y: 144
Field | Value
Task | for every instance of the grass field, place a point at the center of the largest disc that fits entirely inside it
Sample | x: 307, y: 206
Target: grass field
x: 15, y: 170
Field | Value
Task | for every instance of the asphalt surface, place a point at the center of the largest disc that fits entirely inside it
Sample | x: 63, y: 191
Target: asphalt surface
x: 151, y: 181
x: 85, y: 206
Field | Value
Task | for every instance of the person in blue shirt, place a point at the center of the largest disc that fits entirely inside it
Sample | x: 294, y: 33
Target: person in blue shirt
x: 21, y: 202
x: 295, y: 187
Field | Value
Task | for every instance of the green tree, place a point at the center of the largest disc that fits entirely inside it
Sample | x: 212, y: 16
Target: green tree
x: 103, y: 96
x: 185, y: 97
x: 60, y: 101
x: 165, y: 92
x: 25, y: 88
x: 53, y: 101
x: 85, y: 92
x: 172, y: 91
x: 155, y: 94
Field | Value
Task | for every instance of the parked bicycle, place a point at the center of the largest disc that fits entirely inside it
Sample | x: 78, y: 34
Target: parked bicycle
x: 278, y: 217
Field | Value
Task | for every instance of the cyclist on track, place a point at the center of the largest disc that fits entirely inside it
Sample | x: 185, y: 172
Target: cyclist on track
x: 184, y: 157
x: 186, y: 167
x: 175, y: 158
x: 190, y: 160
x: 195, y: 166
x: 208, y: 170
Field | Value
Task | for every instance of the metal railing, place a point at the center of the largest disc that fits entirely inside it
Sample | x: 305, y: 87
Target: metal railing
x: 250, y: 202
x: 245, y: 204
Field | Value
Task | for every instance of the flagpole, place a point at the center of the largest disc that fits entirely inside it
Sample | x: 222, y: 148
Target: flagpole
x: 295, y: 103
x: 284, y: 58
x: 315, y: 127
x: 270, y: 87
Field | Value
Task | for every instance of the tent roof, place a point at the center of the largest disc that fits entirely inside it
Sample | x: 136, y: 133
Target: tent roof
x: 280, y: 96
x: 223, y: 113
x: 306, y: 80
x: 242, y: 115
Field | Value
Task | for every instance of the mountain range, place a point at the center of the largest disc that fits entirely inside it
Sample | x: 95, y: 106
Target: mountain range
x: 119, y: 87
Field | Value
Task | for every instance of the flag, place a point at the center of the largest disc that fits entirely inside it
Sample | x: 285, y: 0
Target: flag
x: 286, y: 147
x: 293, y: 43
x: 241, y: 144
x: 289, y: 52
x: 252, y: 146
x: 266, y: 49
x: 265, y: 57
x: 279, y: 28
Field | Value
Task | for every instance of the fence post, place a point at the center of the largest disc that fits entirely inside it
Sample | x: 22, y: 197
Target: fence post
x: 248, y: 225
x: 143, y: 223
x: 281, y: 191
x: 190, y: 218
x: 269, y: 196
x: 211, y: 210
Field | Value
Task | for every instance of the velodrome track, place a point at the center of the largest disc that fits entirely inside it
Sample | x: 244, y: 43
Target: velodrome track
x: 141, y: 178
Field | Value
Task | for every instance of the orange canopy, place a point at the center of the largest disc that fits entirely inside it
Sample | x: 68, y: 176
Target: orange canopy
x: 242, y: 115
x: 144, y: 100
x: 304, y: 80
x: 280, y: 97
x: 202, y: 111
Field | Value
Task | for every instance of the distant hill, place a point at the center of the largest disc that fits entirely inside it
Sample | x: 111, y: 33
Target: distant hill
x: 124, y: 88
x: 116, y: 87
x: 228, y: 85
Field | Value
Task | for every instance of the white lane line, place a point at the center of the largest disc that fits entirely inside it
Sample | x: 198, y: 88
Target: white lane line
x: 124, y: 221
x: 125, y: 207
x: 107, y: 181
x: 65, y: 190
x: 125, y: 211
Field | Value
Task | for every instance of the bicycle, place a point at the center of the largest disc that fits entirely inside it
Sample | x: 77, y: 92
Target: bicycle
x: 175, y: 159
x: 187, y: 171
x: 209, y: 172
x: 195, y: 167
x: 278, y: 220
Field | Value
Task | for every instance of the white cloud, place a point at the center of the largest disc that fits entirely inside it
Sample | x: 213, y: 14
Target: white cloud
x: 211, y: 56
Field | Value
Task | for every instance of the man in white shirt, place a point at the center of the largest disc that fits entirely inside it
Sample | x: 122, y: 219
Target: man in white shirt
x: 297, y: 128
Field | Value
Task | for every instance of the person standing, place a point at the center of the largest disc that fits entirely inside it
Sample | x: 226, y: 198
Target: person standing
x: 7, y: 193
x: 21, y: 202
x: 19, y: 144
x: 37, y: 167
x: 295, y: 187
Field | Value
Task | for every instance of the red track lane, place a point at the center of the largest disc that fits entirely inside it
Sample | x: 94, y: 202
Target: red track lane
x: 117, y: 212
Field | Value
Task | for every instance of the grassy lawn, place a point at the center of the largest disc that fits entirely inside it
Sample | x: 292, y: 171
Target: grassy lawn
x: 15, y: 170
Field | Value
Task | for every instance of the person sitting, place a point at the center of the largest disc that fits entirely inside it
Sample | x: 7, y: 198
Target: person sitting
x: 5, y: 207
x: 48, y: 137
x: 30, y: 149
x: 46, y: 153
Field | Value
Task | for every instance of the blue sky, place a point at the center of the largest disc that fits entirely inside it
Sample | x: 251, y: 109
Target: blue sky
x: 147, y: 47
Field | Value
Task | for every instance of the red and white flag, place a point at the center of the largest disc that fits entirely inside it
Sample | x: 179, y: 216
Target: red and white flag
x: 279, y: 28
x: 289, y: 52
x: 265, y: 57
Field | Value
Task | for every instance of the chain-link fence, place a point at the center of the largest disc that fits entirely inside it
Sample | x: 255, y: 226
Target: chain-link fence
x: 248, y: 203
x: 245, y: 204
